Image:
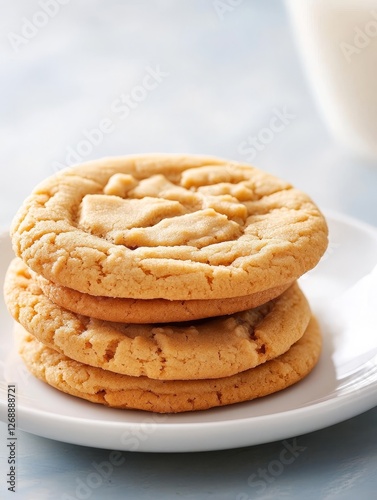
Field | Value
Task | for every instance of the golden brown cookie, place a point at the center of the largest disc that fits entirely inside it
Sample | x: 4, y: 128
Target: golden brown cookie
x: 122, y: 391
x: 150, y: 310
x: 211, y: 348
x: 168, y: 226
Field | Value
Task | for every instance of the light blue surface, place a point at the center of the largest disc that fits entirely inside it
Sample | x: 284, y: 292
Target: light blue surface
x: 225, y: 78
x: 336, y: 463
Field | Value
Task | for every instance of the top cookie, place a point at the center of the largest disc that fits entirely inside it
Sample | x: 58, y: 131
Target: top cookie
x: 168, y: 226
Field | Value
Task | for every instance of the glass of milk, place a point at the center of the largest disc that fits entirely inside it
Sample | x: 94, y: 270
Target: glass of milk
x: 338, y: 43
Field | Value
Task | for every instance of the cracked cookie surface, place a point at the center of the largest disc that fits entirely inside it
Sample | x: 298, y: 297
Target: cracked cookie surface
x: 168, y: 226
x: 121, y: 391
x: 212, y: 348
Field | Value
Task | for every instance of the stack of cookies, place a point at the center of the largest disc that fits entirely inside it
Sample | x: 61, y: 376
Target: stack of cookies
x: 165, y: 283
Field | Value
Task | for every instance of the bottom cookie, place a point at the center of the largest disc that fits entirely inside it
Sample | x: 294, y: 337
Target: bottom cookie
x: 141, y: 393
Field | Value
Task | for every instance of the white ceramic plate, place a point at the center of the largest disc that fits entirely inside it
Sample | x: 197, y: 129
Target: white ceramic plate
x: 343, y: 384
